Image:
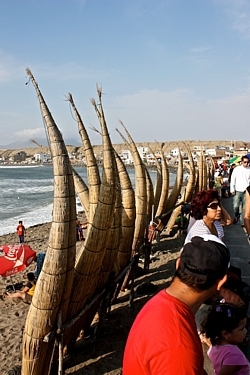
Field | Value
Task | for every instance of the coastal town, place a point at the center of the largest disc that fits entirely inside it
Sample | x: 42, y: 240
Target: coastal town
x: 219, y: 151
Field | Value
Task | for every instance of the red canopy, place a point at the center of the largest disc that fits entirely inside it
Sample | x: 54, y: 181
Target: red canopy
x: 14, y: 258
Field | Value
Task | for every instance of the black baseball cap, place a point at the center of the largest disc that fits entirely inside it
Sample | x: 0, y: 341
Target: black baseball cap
x: 205, y: 257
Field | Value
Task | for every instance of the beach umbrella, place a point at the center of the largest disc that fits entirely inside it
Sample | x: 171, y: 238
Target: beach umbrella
x: 233, y: 160
x: 15, y: 258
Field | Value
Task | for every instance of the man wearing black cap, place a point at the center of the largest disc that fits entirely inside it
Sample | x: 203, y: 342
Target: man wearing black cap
x: 163, y: 338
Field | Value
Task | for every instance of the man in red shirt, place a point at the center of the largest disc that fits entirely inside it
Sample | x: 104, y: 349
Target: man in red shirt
x: 163, y: 339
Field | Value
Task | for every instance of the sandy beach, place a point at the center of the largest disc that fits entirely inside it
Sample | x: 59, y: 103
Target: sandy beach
x: 91, y: 356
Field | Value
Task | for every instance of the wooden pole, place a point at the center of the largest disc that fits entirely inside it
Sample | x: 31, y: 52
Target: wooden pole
x: 60, y: 344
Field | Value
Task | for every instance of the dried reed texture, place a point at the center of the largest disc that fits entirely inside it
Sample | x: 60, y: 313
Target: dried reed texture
x: 205, y: 174
x: 82, y: 191
x: 127, y: 216
x: 140, y: 193
x: 112, y: 247
x: 172, y: 199
x: 90, y: 257
x: 162, y: 206
x: 158, y: 182
x: 94, y: 181
x: 150, y: 196
x: 211, y: 171
x: 187, y: 194
x: 201, y: 170
x: 196, y: 189
x: 192, y: 176
x: 55, y: 281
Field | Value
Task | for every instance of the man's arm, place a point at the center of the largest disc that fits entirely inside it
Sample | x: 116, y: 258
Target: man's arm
x: 232, y: 182
x: 225, y: 217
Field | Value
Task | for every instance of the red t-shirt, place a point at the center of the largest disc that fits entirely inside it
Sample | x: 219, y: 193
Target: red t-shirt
x: 163, y: 340
x: 20, y: 230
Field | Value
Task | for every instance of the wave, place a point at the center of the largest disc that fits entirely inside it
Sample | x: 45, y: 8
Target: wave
x: 39, y: 216
x: 27, y: 189
x: 19, y: 166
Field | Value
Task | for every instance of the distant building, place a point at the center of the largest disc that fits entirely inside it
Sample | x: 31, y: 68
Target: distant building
x: 211, y: 151
x: 143, y: 151
x: 126, y: 157
x: 42, y: 157
x: 175, y: 152
x: 19, y: 157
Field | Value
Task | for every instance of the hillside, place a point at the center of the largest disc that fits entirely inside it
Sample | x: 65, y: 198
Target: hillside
x: 119, y: 147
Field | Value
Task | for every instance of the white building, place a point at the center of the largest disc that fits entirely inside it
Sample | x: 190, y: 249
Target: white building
x: 211, y: 151
x: 143, y: 151
x: 126, y: 157
x: 42, y: 158
x: 175, y: 152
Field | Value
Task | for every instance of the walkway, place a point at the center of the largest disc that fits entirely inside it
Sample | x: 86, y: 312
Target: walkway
x: 237, y: 241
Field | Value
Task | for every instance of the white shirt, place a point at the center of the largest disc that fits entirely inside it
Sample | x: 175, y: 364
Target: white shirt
x: 240, y: 179
x: 199, y: 228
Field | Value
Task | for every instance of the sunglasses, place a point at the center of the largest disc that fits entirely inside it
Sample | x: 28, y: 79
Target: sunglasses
x: 214, y: 205
x: 245, y: 162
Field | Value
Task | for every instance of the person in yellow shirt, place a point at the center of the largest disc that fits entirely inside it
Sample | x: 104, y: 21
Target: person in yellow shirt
x: 27, y: 292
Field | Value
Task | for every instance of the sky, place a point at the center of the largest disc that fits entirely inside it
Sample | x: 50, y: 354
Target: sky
x: 169, y: 69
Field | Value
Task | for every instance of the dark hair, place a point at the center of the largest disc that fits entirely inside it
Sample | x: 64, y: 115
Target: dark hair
x: 31, y: 276
x: 200, y: 202
x: 222, y: 317
x: 198, y: 285
x: 244, y: 157
x: 20, y: 222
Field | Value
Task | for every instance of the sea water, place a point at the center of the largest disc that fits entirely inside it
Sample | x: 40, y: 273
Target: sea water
x: 26, y: 193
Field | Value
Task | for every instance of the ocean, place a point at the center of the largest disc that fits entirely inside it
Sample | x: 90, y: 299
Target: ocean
x: 27, y: 195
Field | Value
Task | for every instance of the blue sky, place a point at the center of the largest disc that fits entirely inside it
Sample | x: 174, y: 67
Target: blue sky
x: 169, y: 69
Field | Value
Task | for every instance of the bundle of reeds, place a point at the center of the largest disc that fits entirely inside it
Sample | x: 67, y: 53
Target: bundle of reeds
x: 55, y: 281
x: 158, y: 181
x: 162, y: 205
x: 140, y: 192
x: 82, y: 191
x: 94, y: 181
x: 90, y: 258
x: 187, y: 192
x: 127, y: 216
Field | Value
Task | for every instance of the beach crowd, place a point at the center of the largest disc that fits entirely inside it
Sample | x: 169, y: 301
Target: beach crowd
x: 166, y: 335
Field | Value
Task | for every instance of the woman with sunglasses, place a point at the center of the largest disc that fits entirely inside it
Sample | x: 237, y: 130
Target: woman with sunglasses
x: 207, y: 212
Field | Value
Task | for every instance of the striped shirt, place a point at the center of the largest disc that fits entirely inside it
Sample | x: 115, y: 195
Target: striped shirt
x: 199, y: 229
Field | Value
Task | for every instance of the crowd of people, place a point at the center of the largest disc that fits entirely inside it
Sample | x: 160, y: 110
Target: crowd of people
x: 164, y: 338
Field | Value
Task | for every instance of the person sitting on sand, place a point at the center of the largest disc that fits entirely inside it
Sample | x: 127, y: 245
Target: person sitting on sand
x: 27, y: 292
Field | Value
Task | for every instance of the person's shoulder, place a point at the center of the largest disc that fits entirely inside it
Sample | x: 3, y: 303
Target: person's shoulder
x: 198, y: 223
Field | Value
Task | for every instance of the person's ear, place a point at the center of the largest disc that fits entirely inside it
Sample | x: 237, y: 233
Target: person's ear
x: 224, y: 334
x: 221, y: 282
x: 177, y: 263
